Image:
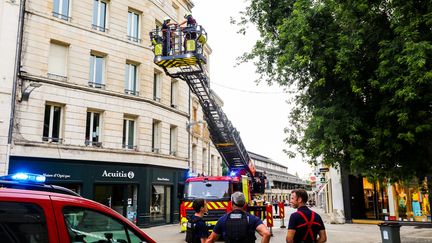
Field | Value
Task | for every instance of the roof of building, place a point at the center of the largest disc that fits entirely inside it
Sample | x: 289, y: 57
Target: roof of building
x: 265, y: 159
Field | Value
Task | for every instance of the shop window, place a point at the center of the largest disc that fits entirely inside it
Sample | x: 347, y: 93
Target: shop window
x: 52, y: 124
x: 412, y: 200
x: 22, y: 222
x: 93, y: 127
x: 160, y: 205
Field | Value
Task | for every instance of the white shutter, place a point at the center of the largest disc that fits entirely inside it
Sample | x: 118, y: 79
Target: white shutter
x: 57, y: 59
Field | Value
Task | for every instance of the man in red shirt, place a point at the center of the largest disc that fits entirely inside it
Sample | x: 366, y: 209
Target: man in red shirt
x: 305, y: 226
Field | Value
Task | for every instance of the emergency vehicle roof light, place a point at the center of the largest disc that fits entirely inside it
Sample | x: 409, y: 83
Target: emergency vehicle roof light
x: 233, y: 173
x: 28, y: 177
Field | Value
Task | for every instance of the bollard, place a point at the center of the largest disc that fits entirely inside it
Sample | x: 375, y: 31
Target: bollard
x: 282, y: 214
x: 269, y: 217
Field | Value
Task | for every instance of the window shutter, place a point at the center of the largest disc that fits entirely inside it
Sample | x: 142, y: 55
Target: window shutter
x: 57, y: 59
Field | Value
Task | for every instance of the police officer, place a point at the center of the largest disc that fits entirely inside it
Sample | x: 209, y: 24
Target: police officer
x: 239, y: 226
x: 304, y: 225
x: 197, y: 231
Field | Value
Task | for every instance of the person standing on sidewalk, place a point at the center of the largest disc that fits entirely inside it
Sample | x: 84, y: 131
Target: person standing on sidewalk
x: 197, y: 231
x: 305, y: 226
x: 239, y: 226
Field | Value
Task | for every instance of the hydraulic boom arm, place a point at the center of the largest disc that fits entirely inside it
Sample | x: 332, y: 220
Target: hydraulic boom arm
x: 185, y: 60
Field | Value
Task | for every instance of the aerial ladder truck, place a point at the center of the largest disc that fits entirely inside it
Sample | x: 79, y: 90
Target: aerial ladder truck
x: 184, y: 59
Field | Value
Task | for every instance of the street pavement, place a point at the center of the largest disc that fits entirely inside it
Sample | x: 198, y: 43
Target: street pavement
x: 337, y: 233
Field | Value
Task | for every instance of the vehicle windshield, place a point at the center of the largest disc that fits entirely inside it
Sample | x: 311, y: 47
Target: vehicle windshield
x: 207, y: 190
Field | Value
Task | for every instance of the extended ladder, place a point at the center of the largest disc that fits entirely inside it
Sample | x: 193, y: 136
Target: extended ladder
x: 185, y: 60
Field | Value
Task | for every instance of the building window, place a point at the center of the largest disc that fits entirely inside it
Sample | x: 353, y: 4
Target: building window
x: 131, y: 79
x: 52, y: 124
x: 133, y: 28
x: 173, y: 140
x: 129, y: 133
x: 99, y: 15
x: 61, y: 9
x: 93, y: 129
x: 97, y: 70
x: 174, y: 93
x: 157, y: 86
x: 57, y: 61
x: 156, y: 136
x: 205, y: 169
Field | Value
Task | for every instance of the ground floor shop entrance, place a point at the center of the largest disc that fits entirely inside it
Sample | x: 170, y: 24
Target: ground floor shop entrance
x: 160, y: 206
x: 144, y: 194
x: 400, y: 201
x: 120, y: 197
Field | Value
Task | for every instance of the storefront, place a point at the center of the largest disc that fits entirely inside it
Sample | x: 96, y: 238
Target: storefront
x: 144, y: 194
x: 401, y: 201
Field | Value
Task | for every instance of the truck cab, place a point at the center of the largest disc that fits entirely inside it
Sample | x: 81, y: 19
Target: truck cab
x: 216, y: 190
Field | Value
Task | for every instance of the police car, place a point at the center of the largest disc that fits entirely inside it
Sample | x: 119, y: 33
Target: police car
x: 34, y: 212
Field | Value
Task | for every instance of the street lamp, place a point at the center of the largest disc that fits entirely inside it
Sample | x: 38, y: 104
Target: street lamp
x: 25, y: 93
x: 190, y: 124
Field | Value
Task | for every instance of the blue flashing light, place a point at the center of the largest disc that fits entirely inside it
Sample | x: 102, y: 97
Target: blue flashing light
x: 28, y: 177
x: 233, y: 173
x: 191, y: 174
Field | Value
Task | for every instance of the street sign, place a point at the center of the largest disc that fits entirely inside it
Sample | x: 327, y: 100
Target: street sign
x: 322, y: 179
x: 324, y: 169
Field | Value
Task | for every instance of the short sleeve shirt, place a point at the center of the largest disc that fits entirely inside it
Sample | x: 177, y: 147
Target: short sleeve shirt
x: 296, y: 219
x: 201, y: 230
x: 220, y: 227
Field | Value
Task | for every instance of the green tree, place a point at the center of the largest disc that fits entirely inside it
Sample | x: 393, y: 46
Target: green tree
x: 361, y: 74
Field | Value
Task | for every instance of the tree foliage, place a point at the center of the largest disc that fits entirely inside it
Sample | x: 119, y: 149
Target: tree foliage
x: 362, y: 74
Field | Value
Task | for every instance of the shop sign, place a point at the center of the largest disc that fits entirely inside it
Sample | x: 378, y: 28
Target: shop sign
x: 118, y: 174
x: 57, y: 176
x: 324, y: 169
x: 163, y: 179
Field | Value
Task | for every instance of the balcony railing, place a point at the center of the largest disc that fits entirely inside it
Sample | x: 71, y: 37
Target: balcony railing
x: 134, y: 39
x: 61, y: 16
x: 100, y: 28
x: 52, y: 139
x: 96, y: 85
x: 131, y: 92
x: 130, y: 146
x: 92, y: 143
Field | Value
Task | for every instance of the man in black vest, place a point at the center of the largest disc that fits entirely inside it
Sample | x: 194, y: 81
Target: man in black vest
x: 239, y: 226
x: 304, y: 225
x: 197, y: 231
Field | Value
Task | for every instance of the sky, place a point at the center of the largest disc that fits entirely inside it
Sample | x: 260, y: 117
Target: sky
x: 258, y: 111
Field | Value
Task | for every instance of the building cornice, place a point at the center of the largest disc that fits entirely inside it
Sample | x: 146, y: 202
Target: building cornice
x: 74, y: 86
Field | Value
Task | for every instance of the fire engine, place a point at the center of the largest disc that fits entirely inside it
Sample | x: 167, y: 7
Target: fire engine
x: 185, y: 60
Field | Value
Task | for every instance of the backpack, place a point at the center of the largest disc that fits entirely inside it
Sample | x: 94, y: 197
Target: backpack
x: 190, y: 230
x: 308, y: 224
x: 238, y: 229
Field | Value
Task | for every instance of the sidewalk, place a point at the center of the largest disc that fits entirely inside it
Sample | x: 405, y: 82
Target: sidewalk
x: 367, y: 232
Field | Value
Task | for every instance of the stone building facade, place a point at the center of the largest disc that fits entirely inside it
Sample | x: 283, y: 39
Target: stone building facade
x: 102, y: 119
